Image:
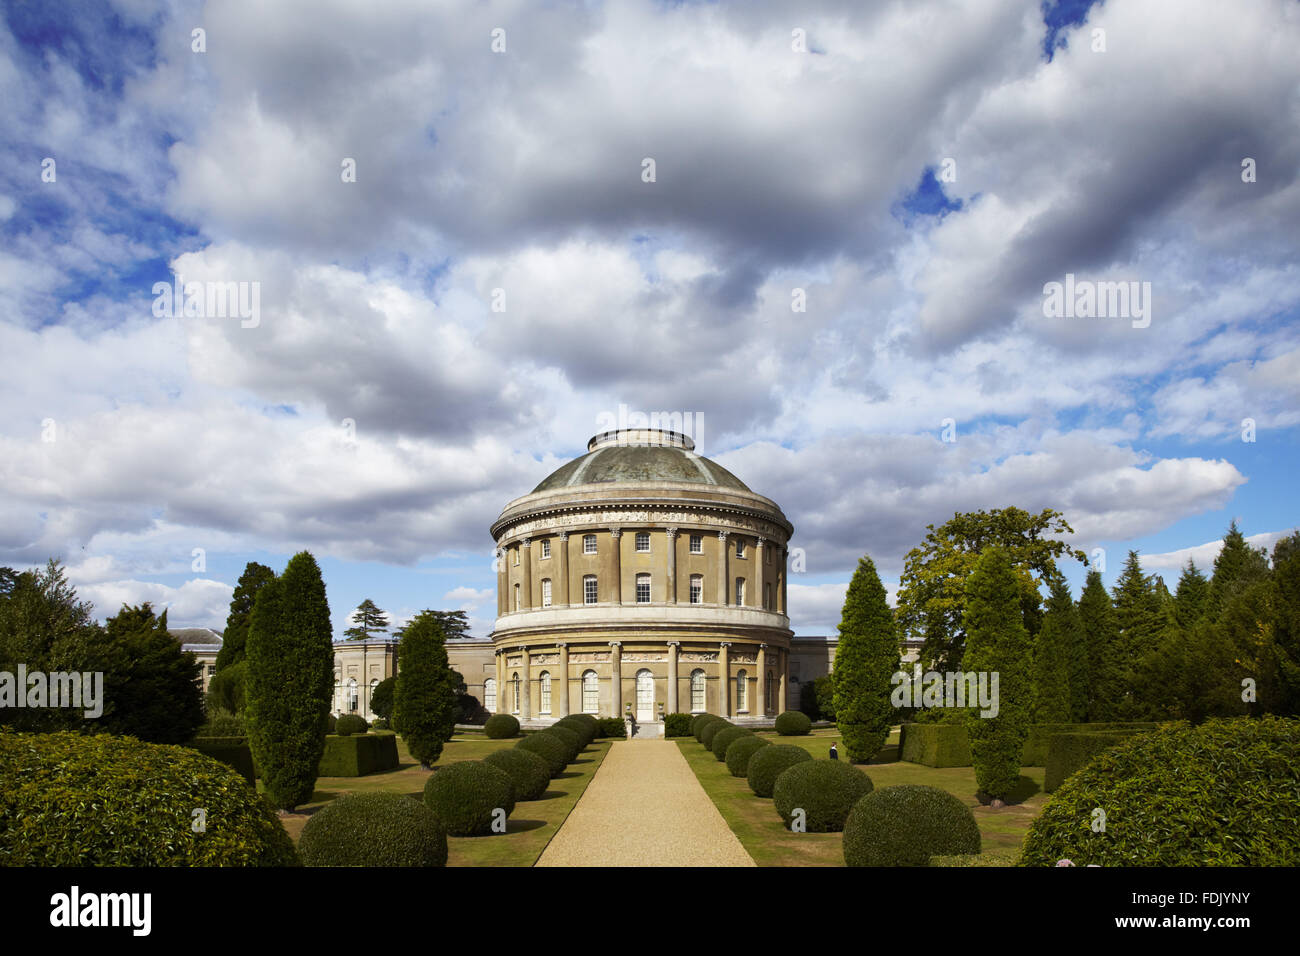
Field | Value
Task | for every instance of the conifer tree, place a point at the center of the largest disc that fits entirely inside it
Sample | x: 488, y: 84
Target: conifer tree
x: 997, y: 642
x: 1236, y: 567
x: 865, y: 663
x: 367, y: 619
x: 1191, y: 598
x: 1055, y: 654
x: 154, y: 689
x: 290, y: 681
x: 424, y: 699
x: 1101, y: 635
x: 241, y: 609
x: 1141, y: 617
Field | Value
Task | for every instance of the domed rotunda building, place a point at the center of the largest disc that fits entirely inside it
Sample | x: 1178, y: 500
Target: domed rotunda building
x: 641, y: 578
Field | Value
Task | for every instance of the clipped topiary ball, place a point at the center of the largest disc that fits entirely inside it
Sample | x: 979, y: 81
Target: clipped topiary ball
x: 698, y: 722
x: 585, y: 718
x: 906, y: 825
x: 722, y: 739
x: 706, y: 735
x: 350, y: 724
x: 570, y: 739
x: 550, y: 748
x: 466, y: 795
x: 1219, y: 794
x: 501, y: 727
x: 767, y: 764
x: 741, y: 749
x: 373, y: 829
x: 529, y: 773
x: 585, y: 730
x: 825, y: 790
x: 101, y: 800
x: 793, y: 723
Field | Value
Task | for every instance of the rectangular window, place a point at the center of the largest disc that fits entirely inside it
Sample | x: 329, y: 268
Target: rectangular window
x: 588, y: 544
x: 697, y: 589
x: 589, y: 589
x: 643, y: 542
x: 740, y: 547
x: 516, y: 597
x: 517, y: 550
x: 697, y: 544
x: 643, y: 589
x: 546, y: 549
x: 767, y: 596
x: 740, y: 592
x: 546, y: 592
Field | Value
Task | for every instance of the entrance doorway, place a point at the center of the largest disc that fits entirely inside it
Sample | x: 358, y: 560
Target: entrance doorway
x: 645, y: 696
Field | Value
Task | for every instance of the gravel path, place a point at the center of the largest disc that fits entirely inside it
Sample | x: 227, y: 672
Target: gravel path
x: 644, y: 807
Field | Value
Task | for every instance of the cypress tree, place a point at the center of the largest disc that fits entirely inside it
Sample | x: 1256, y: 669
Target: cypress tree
x: 424, y: 699
x: 1101, y: 634
x: 997, y: 642
x: 1139, y: 613
x: 290, y: 680
x: 235, y: 637
x: 865, y: 662
x: 1055, y: 656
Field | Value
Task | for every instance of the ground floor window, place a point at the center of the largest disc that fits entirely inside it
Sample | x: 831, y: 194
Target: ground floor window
x: 546, y: 692
x: 697, y: 690
x: 742, y: 685
x: 514, y: 693
x: 490, y: 695
x: 590, y: 693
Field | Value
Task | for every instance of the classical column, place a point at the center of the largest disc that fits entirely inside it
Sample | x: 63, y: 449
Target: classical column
x: 760, y: 574
x: 564, y: 678
x: 526, y: 565
x: 784, y: 555
x: 672, y: 569
x: 672, y: 676
x: 616, y: 566
x: 724, y: 595
x: 724, y: 679
x: 503, y: 707
x: 761, y: 708
x: 525, y: 692
x: 503, y: 583
x: 783, y: 678
x: 564, y: 570
x: 616, y: 678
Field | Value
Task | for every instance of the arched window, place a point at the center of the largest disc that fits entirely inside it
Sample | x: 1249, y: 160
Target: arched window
x: 590, y: 693
x: 352, y: 695
x: 373, y: 684
x: 546, y: 592
x: 697, y: 691
x: 545, y: 679
x: 514, y: 693
x: 589, y: 593
x: 490, y: 695
x: 645, y: 694
x: 643, y: 589
x: 697, y: 588
x: 742, y: 685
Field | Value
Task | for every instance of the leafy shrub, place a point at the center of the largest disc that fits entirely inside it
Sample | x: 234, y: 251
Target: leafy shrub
x: 935, y: 745
x: 133, y: 805
x: 550, y: 748
x: 379, y: 723
x: 825, y: 790
x: 741, y: 749
x: 381, y: 698
x: 226, y: 689
x: 722, y: 739
x: 710, y: 729
x: 465, y: 796
x: 698, y: 722
x: 677, y: 725
x: 232, y: 751
x: 357, y: 755
x: 612, y: 727
x: 586, y: 730
x: 373, y: 829
x: 793, y: 724
x: 349, y: 724
x: 1221, y: 794
x: 1068, y: 752
x: 906, y: 825
x: 222, y: 723
x: 570, y: 739
x: 767, y: 764
x: 529, y: 773
x: 501, y: 727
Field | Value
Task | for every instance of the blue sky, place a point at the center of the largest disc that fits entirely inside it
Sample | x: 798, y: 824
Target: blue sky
x: 1104, y: 141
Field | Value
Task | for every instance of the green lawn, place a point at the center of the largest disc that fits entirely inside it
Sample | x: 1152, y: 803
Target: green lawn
x: 529, y: 829
x: 764, y: 836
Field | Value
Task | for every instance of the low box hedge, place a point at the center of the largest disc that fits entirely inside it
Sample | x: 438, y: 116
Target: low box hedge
x: 1069, y: 753
x: 1040, y: 737
x: 935, y: 745
x: 358, y: 754
x: 232, y: 751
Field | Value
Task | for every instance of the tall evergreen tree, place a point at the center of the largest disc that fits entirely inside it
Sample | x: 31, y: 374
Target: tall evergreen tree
x: 254, y: 578
x: 1055, y: 657
x: 367, y: 619
x: 1140, y: 614
x: 998, y: 643
x: 424, y: 700
x: 1101, y: 634
x: 155, y: 689
x: 865, y: 663
x: 1236, y: 567
x: 1190, y: 600
x: 290, y: 681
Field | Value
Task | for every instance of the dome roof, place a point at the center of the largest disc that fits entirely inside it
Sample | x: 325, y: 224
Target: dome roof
x: 643, y: 454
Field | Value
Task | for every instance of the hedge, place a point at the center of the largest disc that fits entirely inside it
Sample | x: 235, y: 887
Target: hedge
x: 793, y: 723
x: 710, y: 729
x: 101, y: 800
x: 611, y: 727
x: 530, y: 774
x: 698, y: 722
x: 741, y: 749
x: 586, y: 730
x: 550, y: 748
x: 466, y: 796
x: 906, y: 825
x: 358, y: 755
x: 1040, y: 737
x: 232, y: 751
x: 1069, y: 752
x: 825, y: 790
x: 349, y: 724
x: 678, y: 725
x: 222, y: 723
x: 722, y: 739
x: 570, y: 739
x: 935, y: 745
x: 1220, y: 794
x: 379, y: 723
x: 501, y: 727
x: 373, y: 829
x: 767, y: 764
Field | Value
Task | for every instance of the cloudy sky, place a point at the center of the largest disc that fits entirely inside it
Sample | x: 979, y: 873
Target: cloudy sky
x: 462, y: 260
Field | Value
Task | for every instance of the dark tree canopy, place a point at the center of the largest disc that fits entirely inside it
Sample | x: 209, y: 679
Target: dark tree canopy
x: 255, y: 577
x: 424, y: 702
x: 865, y: 662
x: 155, y: 687
x: 367, y: 620
x: 1101, y: 634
